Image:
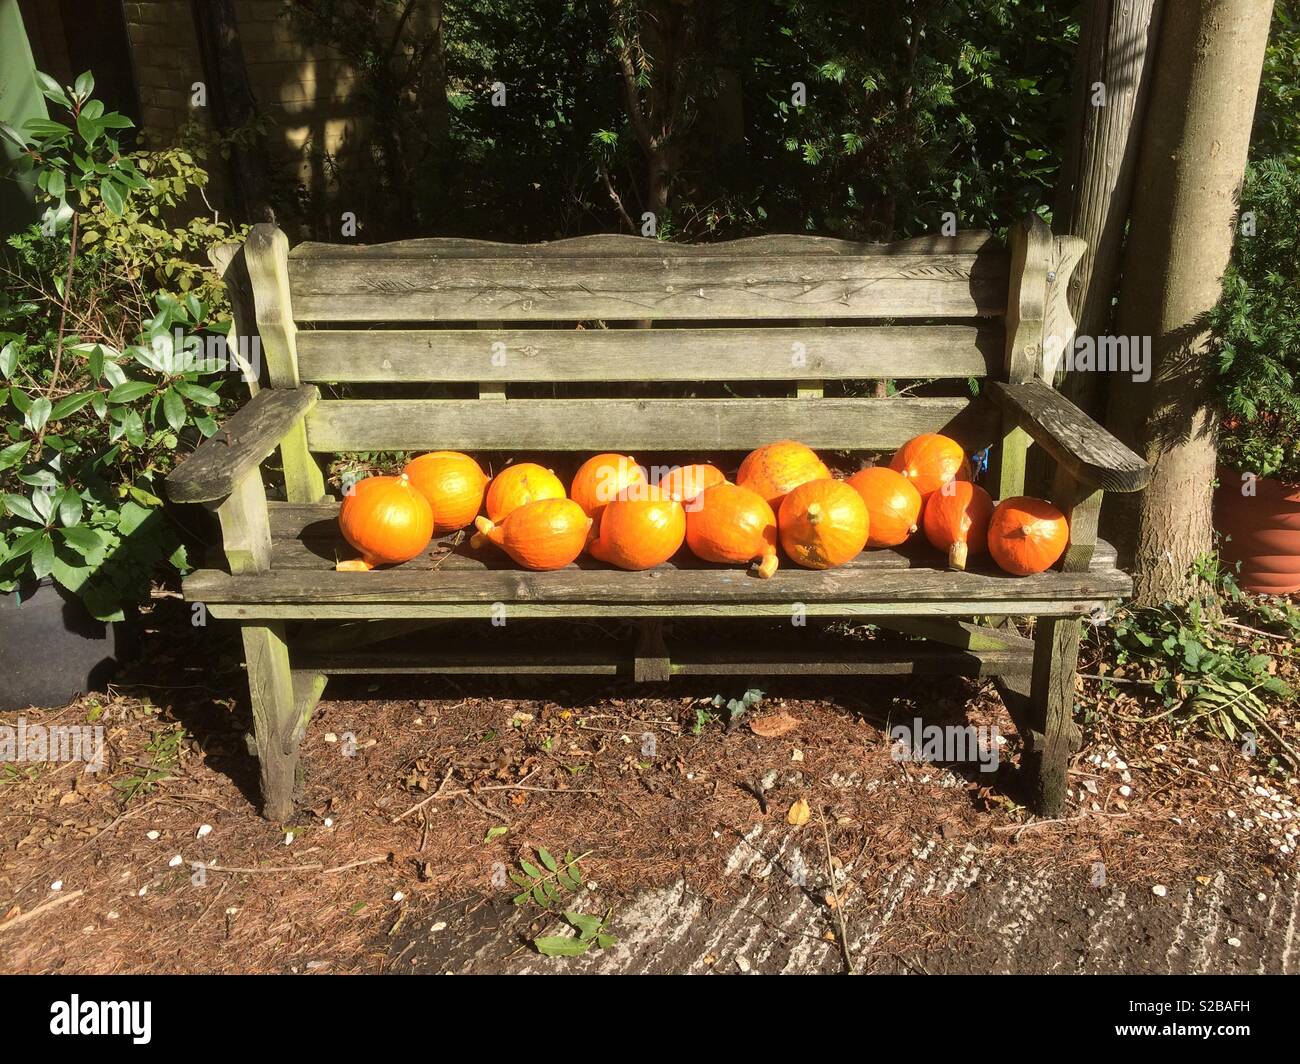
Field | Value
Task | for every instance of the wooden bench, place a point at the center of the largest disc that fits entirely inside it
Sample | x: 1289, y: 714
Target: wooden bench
x: 456, y: 344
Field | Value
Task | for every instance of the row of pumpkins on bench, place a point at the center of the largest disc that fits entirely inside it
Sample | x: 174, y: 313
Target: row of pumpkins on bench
x: 783, y: 493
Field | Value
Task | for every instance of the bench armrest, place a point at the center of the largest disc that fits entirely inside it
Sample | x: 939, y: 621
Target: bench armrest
x: 240, y: 445
x: 1081, y: 447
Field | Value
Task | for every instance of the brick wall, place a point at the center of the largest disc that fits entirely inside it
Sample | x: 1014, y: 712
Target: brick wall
x: 303, y: 90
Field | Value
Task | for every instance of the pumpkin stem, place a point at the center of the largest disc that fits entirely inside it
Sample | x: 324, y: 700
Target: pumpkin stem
x: 957, y: 554
x: 484, y: 532
x: 814, y: 513
x: 767, y: 567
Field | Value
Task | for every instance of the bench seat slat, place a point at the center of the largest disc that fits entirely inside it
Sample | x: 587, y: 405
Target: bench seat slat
x: 676, y: 283
x: 642, y: 425
x: 569, y: 355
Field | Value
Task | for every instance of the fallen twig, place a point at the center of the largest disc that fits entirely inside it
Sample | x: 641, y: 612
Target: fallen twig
x: 835, y: 893
x: 53, y: 903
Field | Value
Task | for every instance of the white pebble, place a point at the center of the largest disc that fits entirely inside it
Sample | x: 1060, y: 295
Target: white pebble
x: 112, y: 915
x: 1159, y: 891
x: 441, y: 925
x: 153, y: 836
x: 796, y: 755
x: 329, y: 821
x: 399, y: 896
x: 742, y: 964
x: 1121, y: 765
x: 1261, y: 896
x: 142, y: 892
x: 57, y: 885
x: 1126, y: 790
x: 178, y: 859
x: 205, y: 829
x: 288, y: 838
x: 330, y: 737
x: 1234, y: 942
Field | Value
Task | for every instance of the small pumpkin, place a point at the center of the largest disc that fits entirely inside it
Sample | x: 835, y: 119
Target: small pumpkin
x: 893, y: 503
x: 639, y: 533
x: 1027, y: 535
x: 603, y: 479
x: 519, y: 484
x: 732, y: 525
x: 386, y: 520
x: 687, y: 483
x: 546, y: 534
x: 454, y: 485
x: 775, y: 469
x: 823, y: 523
x: 957, y: 521
x: 929, y: 461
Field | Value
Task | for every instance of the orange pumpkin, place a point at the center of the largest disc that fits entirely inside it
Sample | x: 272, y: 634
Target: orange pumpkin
x: 893, y: 504
x: 519, y: 484
x: 734, y: 526
x: 1027, y: 535
x: 639, y: 533
x: 823, y: 523
x: 453, y: 483
x: 929, y: 461
x: 686, y: 483
x: 777, y: 468
x: 603, y: 479
x: 957, y: 521
x: 386, y: 519
x: 546, y: 534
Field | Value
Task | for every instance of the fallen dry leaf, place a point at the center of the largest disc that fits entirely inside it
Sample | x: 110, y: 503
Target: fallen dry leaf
x: 799, y: 813
x: 773, y: 725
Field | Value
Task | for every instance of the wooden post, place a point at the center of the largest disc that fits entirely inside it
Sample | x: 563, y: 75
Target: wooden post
x: 1056, y: 657
x: 246, y: 534
x: 1031, y: 260
x: 267, y: 254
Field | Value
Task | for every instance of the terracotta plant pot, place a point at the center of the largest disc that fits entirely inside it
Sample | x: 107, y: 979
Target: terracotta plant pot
x: 1261, y: 531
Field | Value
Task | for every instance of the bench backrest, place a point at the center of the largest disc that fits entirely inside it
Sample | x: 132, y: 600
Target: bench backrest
x: 659, y: 346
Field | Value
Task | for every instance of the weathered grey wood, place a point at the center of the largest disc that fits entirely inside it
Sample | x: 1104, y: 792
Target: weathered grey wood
x: 790, y: 586
x: 308, y: 686
x: 622, y: 245
x: 271, y: 692
x: 1081, y: 503
x: 1058, y: 320
x: 650, y: 660
x: 467, y: 663
x: 1080, y: 446
x: 246, y: 440
x: 1032, y: 251
x: 636, y: 425
x: 963, y: 634
x: 266, y: 251
x: 245, y: 525
x: 228, y: 261
x: 729, y: 659
x: 680, y: 282
x: 414, y: 608
x: 684, y: 354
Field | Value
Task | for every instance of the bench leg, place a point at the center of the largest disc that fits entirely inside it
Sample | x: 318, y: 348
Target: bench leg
x: 270, y: 688
x: 1051, y: 695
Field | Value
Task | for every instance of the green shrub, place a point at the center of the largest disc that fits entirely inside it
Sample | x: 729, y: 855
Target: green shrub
x: 101, y: 306
x: 1257, y: 328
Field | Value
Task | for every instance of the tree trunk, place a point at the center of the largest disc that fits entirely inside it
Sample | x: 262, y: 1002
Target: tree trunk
x: 234, y: 108
x: 1117, y: 53
x: 1195, y: 143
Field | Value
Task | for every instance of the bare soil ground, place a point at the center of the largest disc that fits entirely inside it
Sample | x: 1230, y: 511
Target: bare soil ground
x: 1175, y: 854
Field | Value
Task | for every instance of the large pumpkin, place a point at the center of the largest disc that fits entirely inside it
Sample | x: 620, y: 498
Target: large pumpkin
x: 639, y: 533
x: 733, y: 526
x: 929, y: 461
x: 775, y: 469
x: 1027, y: 535
x: 546, y: 534
x: 518, y: 485
x: 385, y: 519
x: 823, y: 523
x: 686, y: 483
x: 453, y: 483
x: 893, y: 504
x: 957, y: 521
x: 604, y: 478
